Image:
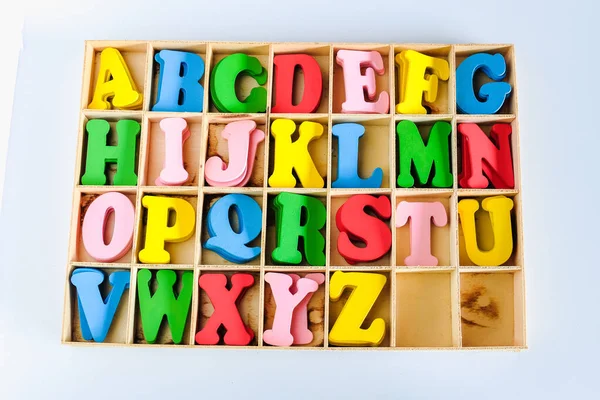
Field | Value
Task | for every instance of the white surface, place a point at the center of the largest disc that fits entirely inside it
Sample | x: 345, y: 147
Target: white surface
x: 11, y: 23
x: 558, y: 135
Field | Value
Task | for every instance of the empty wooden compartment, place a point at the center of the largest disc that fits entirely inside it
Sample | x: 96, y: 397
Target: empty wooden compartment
x: 424, y: 308
x: 491, y: 308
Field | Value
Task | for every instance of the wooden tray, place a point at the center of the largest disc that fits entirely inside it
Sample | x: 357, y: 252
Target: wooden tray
x: 423, y: 307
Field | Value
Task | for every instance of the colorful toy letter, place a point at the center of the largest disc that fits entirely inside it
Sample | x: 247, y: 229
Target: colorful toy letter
x: 492, y: 94
x: 300, y: 331
x: 294, y: 156
x: 418, y: 75
x: 348, y: 135
x: 476, y: 147
x: 114, y: 80
x: 354, y: 223
x: 179, y: 88
x: 176, y: 133
x: 158, y: 230
x: 226, y: 313
x: 243, y: 139
x: 356, y: 84
x: 224, y: 240
x: 96, y: 314
x: 222, y: 84
x: 413, y: 151
x: 499, y: 208
x: 164, y: 303
x: 99, y: 152
x: 290, y: 306
x: 285, y: 66
x: 290, y: 227
x: 421, y: 214
x: 366, y: 287
x: 94, y: 225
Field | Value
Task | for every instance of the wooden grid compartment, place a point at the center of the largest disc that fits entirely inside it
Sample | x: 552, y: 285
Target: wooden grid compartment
x: 485, y: 123
x: 485, y: 233
x: 244, y: 84
x: 425, y: 304
x: 248, y: 303
x: 444, y: 102
x: 441, y: 236
x: 491, y: 308
x: 155, y: 149
x: 335, y: 258
x: 374, y: 148
x: 383, y: 83
x: 508, y: 51
x: 111, y: 140
x: 316, y: 306
x: 119, y: 328
x: 382, y: 308
x: 181, y: 252
x: 454, y: 305
x: 164, y: 336
x: 217, y: 146
x: 79, y: 252
x: 154, y: 68
x: 209, y: 257
x: 424, y: 125
x: 321, y: 53
x: 135, y: 54
x: 271, y: 225
x: 317, y: 148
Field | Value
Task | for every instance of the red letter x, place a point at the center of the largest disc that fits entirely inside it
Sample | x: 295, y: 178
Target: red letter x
x: 226, y: 312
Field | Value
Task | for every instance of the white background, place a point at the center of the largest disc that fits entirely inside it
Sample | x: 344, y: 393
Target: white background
x: 557, y: 65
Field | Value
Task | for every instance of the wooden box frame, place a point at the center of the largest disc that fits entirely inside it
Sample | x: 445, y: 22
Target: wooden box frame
x: 402, y: 279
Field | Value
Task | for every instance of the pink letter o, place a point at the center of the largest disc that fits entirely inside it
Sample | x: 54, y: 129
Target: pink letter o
x: 94, y: 224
